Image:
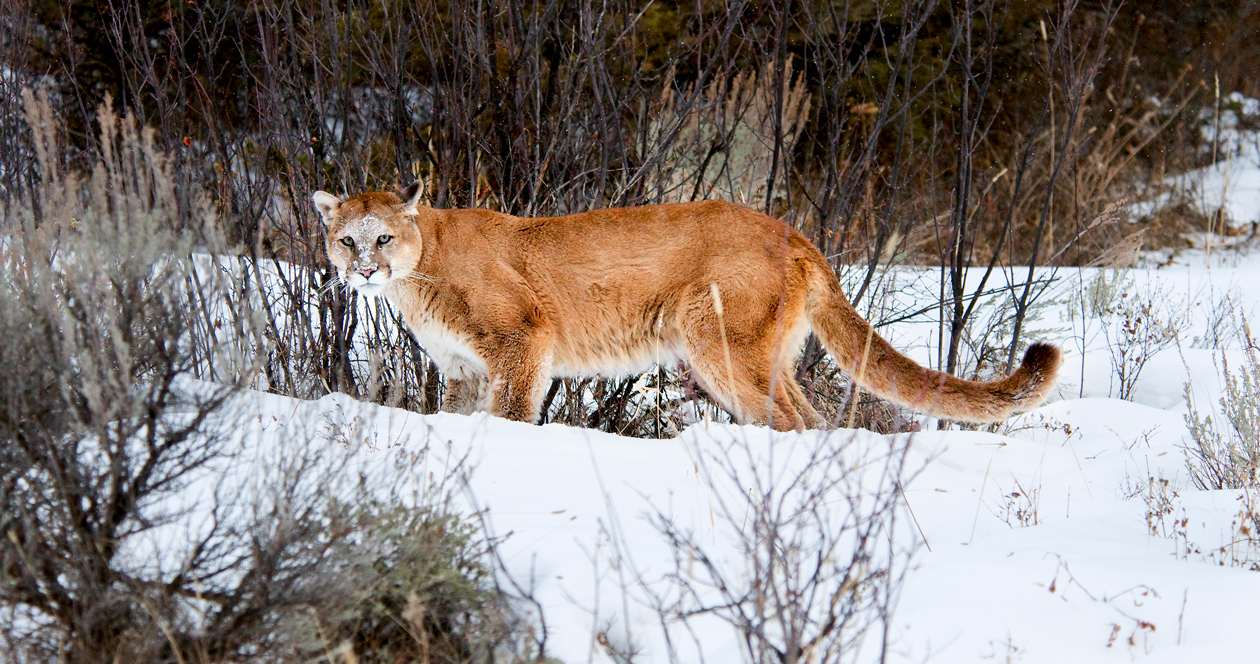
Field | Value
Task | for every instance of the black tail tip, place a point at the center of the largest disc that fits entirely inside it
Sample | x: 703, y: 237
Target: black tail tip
x: 1042, y: 359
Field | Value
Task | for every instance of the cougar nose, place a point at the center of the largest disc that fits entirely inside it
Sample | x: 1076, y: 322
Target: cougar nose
x: 367, y: 272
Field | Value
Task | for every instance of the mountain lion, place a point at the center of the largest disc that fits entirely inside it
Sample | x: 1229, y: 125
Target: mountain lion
x: 503, y: 304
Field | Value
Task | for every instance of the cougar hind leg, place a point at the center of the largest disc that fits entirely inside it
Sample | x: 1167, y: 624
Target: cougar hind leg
x: 743, y: 353
x: 811, y: 416
x: 743, y: 386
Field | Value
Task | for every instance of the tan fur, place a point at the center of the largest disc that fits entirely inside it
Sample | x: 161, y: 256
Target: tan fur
x: 504, y: 303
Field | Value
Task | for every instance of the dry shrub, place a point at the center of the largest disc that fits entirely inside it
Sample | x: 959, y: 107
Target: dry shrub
x: 412, y: 584
x: 1225, y: 453
x: 1142, y: 324
x: 727, y: 144
x: 102, y: 315
x: 832, y: 393
x: 1167, y: 517
x: 134, y: 524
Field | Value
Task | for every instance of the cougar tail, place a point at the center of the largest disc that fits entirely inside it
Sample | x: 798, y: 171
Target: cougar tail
x: 875, y: 365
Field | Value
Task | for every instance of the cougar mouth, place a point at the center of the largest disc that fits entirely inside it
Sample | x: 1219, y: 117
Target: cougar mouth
x: 372, y: 285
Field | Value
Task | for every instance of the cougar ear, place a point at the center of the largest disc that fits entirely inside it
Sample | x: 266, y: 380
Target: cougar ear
x: 412, y: 194
x: 326, y: 203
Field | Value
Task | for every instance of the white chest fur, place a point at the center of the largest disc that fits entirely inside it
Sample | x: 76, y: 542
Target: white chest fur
x: 452, y: 351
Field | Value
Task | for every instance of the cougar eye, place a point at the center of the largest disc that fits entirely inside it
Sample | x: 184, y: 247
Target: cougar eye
x: 348, y: 241
x: 384, y: 240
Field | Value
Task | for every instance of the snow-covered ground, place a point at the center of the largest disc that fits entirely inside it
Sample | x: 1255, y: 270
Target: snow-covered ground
x: 1232, y: 183
x: 1042, y: 542
x: 1066, y: 570
x: 1052, y: 540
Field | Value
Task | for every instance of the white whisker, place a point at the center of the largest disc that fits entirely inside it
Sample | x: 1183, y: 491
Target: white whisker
x: 328, y: 287
x: 418, y: 279
x: 420, y: 276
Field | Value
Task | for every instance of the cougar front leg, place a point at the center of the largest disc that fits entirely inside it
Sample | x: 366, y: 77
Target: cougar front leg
x: 464, y: 394
x: 519, y: 374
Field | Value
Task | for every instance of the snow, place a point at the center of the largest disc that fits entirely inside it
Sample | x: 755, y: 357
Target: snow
x: 1071, y: 569
x: 1232, y: 183
x: 1084, y: 579
x: 1050, y: 592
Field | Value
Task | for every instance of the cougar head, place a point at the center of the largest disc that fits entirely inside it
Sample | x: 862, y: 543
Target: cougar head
x: 372, y: 238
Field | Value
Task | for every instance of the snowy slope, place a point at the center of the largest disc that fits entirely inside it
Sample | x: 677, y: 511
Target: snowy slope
x: 1050, y: 592
x: 1078, y: 576
x: 1035, y: 544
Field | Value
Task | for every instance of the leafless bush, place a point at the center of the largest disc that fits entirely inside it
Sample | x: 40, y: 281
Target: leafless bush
x: 136, y: 524
x: 1167, y: 517
x: 1165, y: 512
x: 1143, y: 322
x: 1162, y: 498
x: 1242, y: 548
x: 1222, y: 321
x: 1021, y: 507
x: 820, y: 547
x: 1224, y: 453
x: 1052, y: 186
